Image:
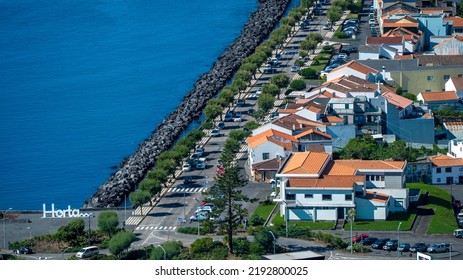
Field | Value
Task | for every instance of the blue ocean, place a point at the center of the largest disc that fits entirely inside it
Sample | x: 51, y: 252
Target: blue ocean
x: 82, y: 83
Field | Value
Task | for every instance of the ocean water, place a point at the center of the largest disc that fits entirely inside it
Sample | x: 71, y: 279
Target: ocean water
x: 83, y: 82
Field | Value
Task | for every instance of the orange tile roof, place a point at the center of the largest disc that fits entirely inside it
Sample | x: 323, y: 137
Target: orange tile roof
x: 397, y: 100
x: 350, y: 167
x: 382, y: 198
x: 439, y: 96
x: 384, y: 40
x: 358, y: 67
x: 287, y: 111
x: 457, y: 21
x: 334, y: 182
x: 444, y: 160
x: 306, y: 163
x: 334, y: 119
x: 457, y: 82
x: 314, y: 109
x: 312, y: 131
x: 268, y: 135
x: 403, y: 57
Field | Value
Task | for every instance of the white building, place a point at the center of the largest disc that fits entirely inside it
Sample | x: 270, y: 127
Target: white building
x: 314, y: 187
x: 455, y: 148
x: 446, y: 170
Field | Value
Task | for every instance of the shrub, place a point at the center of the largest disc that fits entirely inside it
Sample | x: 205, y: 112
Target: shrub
x: 256, y: 220
x: 241, y: 246
x: 309, y: 73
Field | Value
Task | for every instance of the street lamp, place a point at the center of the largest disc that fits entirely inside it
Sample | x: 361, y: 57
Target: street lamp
x: 351, y: 216
x: 4, y: 227
x: 398, y: 240
x: 165, y: 253
x: 450, y: 251
x: 89, y: 231
x: 273, y: 235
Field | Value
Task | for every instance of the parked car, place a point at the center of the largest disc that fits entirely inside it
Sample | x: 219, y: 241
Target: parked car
x: 201, y: 163
x: 391, y: 245
x: 215, y: 132
x: 359, y: 238
x: 327, y: 26
x: 23, y: 251
x: 200, y: 216
x: 368, y: 241
x: 194, y: 157
x: 460, y: 223
x: 351, y: 20
x: 294, y: 68
x: 188, y: 181
x: 350, y: 29
x: 186, y: 166
x: 404, y: 247
x: 419, y: 247
x: 379, y: 243
x: 221, y: 125
x: 228, y: 117
x: 352, y: 50
x: 237, y: 117
x: 199, y: 151
x: 457, y: 203
x: 458, y: 233
x: 438, y: 248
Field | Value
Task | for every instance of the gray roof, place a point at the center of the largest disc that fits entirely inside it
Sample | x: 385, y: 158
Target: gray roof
x: 365, y: 48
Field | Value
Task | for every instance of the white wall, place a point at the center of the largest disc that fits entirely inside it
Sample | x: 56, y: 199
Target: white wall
x: 308, y: 114
x: 441, y: 178
x: 344, y: 72
x: 268, y: 126
x: 267, y: 147
x: 368, y: 55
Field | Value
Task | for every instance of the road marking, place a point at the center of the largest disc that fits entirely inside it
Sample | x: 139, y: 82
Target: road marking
x: 157, y: 228
x: 186, y: 190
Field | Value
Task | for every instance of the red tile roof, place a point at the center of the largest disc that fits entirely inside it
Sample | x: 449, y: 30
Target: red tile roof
x: 444, y: 160
x: 313, y: 131
x: 358, y: 67
x: 439, y: 96
x: 269, y: 135
x: 306, y: 163
x: 457, y: 82
x: 457, y: 21
x: 378, y: 197
x: 397, y: 100
x: 350, y: 167
x: 396, y: 40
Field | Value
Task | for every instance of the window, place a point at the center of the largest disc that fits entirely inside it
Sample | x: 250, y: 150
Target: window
x: 448, y: 169
x: 326, y: 197
x: 265, y: 156
x: 346, y: 106
x: 430, y: 78
x: 308, y: 195
x: 460, y: 75
x: 290, y: 196
x: 348, y: 197
x: 438, y: 170
x: 446, y: 77
x: 438, y: 180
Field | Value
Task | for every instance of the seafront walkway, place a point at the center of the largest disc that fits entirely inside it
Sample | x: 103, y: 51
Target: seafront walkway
x: 137, y: 214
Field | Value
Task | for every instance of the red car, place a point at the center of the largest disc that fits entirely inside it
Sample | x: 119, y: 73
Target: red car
x: 359, y: 238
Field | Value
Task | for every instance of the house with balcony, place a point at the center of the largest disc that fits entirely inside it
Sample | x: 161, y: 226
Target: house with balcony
x: 313, y: 187
x: 446, y: 170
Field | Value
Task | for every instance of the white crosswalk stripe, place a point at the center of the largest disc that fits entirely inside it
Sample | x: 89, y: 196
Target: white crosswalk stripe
x: 140, y: 228
x: 187, y: 190
x: 133, y: 220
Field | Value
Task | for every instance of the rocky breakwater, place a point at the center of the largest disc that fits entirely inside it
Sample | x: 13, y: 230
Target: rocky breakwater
x: 134, y: 168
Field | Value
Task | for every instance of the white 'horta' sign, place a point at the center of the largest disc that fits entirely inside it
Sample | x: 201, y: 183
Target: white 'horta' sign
x: 62, y: 213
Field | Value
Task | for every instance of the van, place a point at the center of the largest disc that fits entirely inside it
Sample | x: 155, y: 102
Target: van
x: 87, y: 252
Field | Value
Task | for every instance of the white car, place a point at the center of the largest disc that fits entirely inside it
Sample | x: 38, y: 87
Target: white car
x: 199, y: 151
x: 186, y: 166
x: 327, y: 26
x: 294, y: 68
x: 237, y: 117
x: 215, y: 132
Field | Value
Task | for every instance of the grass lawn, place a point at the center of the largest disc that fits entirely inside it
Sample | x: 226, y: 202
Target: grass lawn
x: 443, y: 221
x: 323, y: 59
x: 264, y: 210
x: 309, y: 225
x: 391, y: 224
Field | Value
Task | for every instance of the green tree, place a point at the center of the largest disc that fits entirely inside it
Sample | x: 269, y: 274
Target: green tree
x: 139, y: 197
x: 108, y: 222
x: 309, y: 73
x: 334, y: 14
x: 251, y: 125
x: 280, y: 80
x: 172, y: 248
x: 72, y: 231
x: 213, y: 111
x: 359, y: 148
x: 265, y: 102
x: 270, y: 89
x: 309, y: 45
x: 120, y: 242
x: 317, y: 37
x: 230, y: 184
x: 343, y: 4
x: 265, y: 239
x: 298, y: 84
x: 232, y: 145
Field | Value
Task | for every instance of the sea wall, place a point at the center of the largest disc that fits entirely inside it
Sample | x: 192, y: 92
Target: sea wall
x: 134, y: 168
